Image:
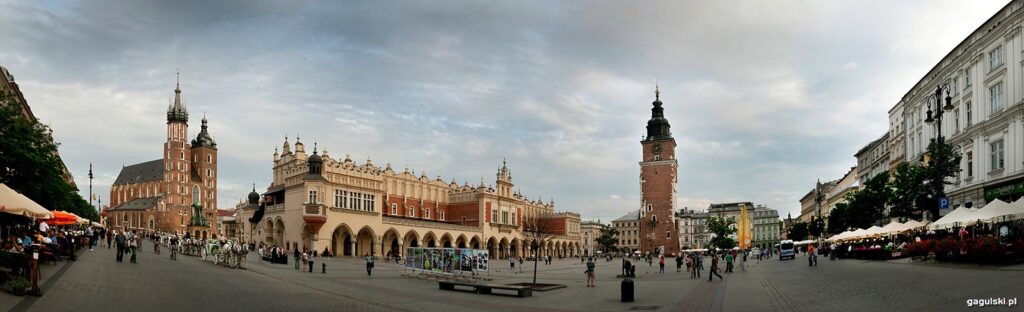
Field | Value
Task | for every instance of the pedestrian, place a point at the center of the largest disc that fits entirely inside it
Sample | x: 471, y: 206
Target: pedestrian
x: 305, y: 258
x: 679, y: 263
x: 110, y: 236
x: 311, y: 258
x: 173, y: 247
x: 661, y: 264
x: 714, y: 269
x: 133, y: 243
x: 832, y: 252
x: 728, y: 262
x: 810, y: 255
x: 512, y: 263
x: 369, y: 264
x: 699, y: 263
x: 297, y: 258
x: 520, y: 264
x: 590, y: 273
x: 120, y: 242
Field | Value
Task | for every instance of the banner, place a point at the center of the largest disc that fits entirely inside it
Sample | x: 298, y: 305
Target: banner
x: 446, y: 260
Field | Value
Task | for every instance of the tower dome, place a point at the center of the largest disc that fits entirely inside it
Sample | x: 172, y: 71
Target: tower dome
x: 254, y: 197
x: 315, y: 162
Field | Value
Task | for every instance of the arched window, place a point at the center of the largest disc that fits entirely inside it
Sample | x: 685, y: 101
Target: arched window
x: 152, y: 224
x: 196, y: 195
x: 209, y: 158
x: 441, y: 215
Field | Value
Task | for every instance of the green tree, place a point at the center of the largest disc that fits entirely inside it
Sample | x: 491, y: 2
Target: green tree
x: 816, y: 227
x: 29, y: 163
x: 943, y: 164
x: 722, y: 227
x: 838, y: 218
x: 608, y: 238
x: 907, y: 190
x: 798, y: 231
x: 867, y: 205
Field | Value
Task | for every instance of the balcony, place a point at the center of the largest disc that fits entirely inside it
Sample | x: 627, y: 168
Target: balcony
x: 278, y: 208
x: 428, y: 224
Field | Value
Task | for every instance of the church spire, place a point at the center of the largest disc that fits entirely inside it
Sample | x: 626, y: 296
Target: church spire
x: 177, y: 111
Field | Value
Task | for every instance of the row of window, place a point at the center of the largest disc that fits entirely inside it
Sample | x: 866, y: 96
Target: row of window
x: 504, y: 217
x: 354, y: 200
x: 411, y: 212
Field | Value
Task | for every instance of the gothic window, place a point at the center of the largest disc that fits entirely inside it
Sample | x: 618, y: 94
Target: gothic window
x: 441, y: 212
x: 426, y: 213
x: 412, y: 212
x: 196, y: 194
x: 209, y: 158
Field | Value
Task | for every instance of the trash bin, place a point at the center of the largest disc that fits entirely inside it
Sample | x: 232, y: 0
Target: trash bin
x: 627, y: 290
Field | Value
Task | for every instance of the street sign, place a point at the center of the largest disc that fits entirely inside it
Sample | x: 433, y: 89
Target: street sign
x: 944, y: 203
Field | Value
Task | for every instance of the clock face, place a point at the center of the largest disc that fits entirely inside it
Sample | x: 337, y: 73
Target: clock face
x: 656, y: 148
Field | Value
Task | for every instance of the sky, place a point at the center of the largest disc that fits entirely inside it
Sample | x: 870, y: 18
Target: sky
x: 764, y: 97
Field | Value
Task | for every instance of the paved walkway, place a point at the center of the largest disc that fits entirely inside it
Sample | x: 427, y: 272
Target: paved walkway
x: 97, y: 283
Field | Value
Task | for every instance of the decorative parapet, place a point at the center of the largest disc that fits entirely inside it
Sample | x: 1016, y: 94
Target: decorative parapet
x: 428, y: 224
x: 353, y: 211
x: 278, y: 208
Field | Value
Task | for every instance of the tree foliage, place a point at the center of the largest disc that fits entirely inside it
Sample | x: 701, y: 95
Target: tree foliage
x: 29, y: 163
x: 907, y: 190
x: 943, y: 164
x: 798, y: 231
x: 608, y: 239
x: 722, y: 227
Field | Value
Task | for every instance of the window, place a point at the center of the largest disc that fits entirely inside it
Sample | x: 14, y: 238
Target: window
x: 394, y: 209
x: 997, y: 155
x: 426, y: 213
x: 196, y: 195
x: 996, y: 97
x: 494, y: 215
x: 195, y: 157
x: 995, y: 58
x: 182, y: 155
x: 441, y: 214
x: 956, y: 85
x: 209, y: 158
x: 209, y: 173
x: 970, y: 164
x: 338, y: 199
x: 504, y: 217
x: 372, y: 202
x: 312, y: 197
x: 967, y: 78
x: 967, y: 109
x: 956, y: 120
x: 657, y: 157
x: 412, y: 213
x: 514, y: 218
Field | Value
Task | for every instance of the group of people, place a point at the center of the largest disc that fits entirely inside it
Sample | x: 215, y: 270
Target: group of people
x: 126, y: 242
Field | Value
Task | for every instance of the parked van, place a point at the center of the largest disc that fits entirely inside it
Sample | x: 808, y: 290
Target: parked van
x: 787, y: 249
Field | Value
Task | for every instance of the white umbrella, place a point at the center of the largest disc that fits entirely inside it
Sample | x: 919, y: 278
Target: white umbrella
x: 891, y: 228
x: 14, y: 203
x: 991, y: 211
x: 959, y: 215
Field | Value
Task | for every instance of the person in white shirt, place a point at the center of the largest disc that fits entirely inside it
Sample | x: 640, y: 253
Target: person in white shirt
x: 43, y: 227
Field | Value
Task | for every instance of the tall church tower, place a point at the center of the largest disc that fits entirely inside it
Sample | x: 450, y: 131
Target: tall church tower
x: 658, y: 185
x: 176, y: 164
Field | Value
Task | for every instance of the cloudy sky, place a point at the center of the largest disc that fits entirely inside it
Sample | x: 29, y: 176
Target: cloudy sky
x: 764, y: 97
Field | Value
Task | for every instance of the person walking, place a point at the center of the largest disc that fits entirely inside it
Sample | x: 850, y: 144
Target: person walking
x: 520, y: 264
x: 728, y: 262
x: 679, y: 263
x: 810, y: 255
x: 714, y: 269
x: 832, y: 252
x: 590, y: 273
x: 695, y: 266
x: 312, y: 256
x: 133, y: 245
x: 119, y: 240
x: 512, y: 263
x: 297, y: 258
x: 369, y: 264
x: 305, y: 259
x: 661, y: 264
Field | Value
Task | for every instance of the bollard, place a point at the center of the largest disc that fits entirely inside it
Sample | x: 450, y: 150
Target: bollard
x: 627, y: 290
x: 632, y: 271
x: 323, y: 268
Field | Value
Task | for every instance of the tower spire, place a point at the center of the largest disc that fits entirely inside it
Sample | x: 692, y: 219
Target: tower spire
x: 177, y: 84
x: 657, y: 90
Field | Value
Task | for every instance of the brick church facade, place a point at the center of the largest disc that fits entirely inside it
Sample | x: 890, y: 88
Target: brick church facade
x: 173, y: 194
x: 658, y: 178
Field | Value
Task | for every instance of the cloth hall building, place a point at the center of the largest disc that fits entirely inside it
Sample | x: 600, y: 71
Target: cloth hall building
x: 316, y: 202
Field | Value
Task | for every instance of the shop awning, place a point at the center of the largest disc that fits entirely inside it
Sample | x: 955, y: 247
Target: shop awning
x: 13, y: 202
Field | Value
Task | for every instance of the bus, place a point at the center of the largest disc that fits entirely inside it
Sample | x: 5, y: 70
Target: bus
x: 787, y: 249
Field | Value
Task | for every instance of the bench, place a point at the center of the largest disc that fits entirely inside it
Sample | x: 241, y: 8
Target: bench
x: 521, y: 291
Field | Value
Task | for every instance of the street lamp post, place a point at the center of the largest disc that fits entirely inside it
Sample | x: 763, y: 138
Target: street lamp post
x: 939, y: 140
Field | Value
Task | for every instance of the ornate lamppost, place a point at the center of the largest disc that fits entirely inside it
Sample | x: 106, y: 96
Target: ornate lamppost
x: 939, y: 140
